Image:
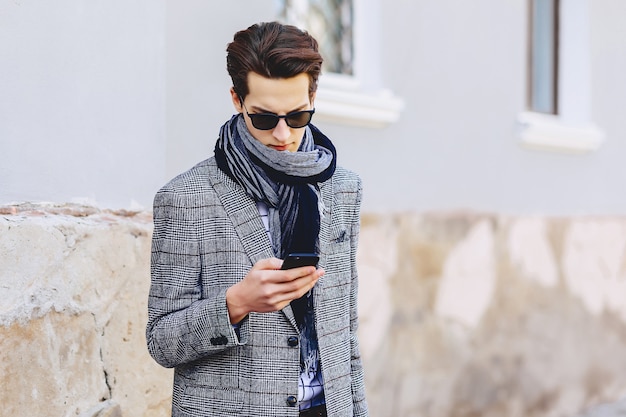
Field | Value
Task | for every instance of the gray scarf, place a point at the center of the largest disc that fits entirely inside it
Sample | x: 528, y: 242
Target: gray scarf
x: 286, y: 181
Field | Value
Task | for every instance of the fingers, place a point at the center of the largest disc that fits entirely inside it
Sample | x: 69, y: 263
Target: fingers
x: 269, y: 263
x: 296, y: 273
x: 298, y: 291
x: 269, y: 271
x: 289, y: 286
x: 268, y: 288
x: 303, y: 282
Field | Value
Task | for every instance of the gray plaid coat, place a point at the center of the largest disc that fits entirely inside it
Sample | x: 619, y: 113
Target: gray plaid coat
x: 207, y: 235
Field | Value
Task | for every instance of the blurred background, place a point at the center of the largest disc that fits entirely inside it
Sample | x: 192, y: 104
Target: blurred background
x: 490, y: 137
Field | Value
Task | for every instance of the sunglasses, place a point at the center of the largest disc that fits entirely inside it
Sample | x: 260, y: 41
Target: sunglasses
x: 268, y: 121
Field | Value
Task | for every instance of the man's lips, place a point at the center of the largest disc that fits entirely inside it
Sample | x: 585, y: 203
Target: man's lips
x: 280, y: 147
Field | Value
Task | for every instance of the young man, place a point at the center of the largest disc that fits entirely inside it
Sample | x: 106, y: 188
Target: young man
x: 245, y: 337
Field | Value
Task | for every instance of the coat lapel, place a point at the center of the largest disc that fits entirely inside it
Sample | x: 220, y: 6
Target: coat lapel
x: 243, y: 213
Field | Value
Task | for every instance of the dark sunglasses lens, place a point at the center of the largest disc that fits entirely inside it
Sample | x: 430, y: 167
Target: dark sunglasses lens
x: 264, y: 121
x: 298, y: 119
x: 269, y: 121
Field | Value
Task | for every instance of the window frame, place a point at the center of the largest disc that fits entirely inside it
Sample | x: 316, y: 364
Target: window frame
x: 359, y: 99
x: 570, y: 129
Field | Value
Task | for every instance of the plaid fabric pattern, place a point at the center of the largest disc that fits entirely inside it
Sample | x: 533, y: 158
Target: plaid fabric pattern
x: 207, y: 235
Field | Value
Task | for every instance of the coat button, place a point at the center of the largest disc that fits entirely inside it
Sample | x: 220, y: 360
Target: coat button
x: 292, y: 341
x: 292, y: 401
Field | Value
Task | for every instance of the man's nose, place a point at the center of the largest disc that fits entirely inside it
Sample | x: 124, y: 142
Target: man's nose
x: 282, y: 131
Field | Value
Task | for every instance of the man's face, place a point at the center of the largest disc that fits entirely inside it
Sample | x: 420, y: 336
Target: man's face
x: 278, y: 96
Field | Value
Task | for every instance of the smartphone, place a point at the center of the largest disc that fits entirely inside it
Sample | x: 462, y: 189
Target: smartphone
x: 296, y: 260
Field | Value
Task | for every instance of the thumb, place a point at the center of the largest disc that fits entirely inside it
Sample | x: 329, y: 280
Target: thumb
x: 268, y: 263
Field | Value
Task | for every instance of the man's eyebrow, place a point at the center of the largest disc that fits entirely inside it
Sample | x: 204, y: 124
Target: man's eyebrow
x: 262, y: 110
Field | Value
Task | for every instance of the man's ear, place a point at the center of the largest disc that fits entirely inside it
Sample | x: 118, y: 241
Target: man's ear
x: 313, y: 99
x: 236, y: 101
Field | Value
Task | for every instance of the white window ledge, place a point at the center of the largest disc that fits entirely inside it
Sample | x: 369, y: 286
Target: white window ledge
x: 340, y: 100
x: 551, y: 133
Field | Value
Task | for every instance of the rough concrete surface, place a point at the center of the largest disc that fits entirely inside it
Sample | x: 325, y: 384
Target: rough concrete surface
x: 616, y: 409
x: 73, y: 292
x: 469, y: 314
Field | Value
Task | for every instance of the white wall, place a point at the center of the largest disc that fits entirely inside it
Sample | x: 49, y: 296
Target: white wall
x: 82, y: 101
x: 462, y: 76
x: 108, y: 100
x: 460, y: 68
x: 198, y: 98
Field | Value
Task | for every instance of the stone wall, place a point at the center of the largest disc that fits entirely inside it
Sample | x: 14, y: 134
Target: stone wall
x: 480, y: 315
x: 462, y: 314
x: 73, y: 292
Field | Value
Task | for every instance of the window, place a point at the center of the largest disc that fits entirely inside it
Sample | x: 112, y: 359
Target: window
x: 558, y: 115
x: 330, y: 22
x: 543, y: 58
x: 350, y: 89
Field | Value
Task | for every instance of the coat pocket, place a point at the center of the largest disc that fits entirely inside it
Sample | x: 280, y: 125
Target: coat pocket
x: 221, y: 401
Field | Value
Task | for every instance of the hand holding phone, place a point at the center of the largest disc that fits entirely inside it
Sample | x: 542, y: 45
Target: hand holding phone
x: 296, y: 260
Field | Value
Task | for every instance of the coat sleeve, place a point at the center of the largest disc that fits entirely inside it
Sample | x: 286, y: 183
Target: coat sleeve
x: 183, y: 326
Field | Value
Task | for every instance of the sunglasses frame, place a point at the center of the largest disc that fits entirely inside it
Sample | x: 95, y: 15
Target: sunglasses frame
x: 277, y: 118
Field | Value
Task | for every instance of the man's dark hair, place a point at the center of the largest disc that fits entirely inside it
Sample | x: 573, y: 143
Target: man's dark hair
x: 272, y: 50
